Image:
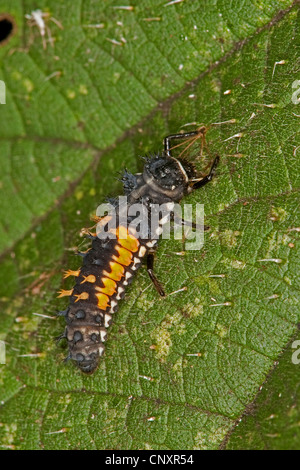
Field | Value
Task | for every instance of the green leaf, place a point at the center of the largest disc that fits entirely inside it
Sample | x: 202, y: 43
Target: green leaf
x: 180, y: 372
x: 272, y: 420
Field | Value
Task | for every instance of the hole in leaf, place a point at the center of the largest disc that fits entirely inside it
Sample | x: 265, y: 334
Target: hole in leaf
x: 7, y: 28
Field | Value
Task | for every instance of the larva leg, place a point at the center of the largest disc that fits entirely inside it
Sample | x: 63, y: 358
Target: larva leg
x: 150, y: 264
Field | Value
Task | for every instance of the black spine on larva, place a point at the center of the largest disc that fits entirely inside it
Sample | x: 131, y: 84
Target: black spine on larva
x: 164, y: 179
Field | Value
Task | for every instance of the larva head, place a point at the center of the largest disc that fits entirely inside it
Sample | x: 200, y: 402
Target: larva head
x: 169, y: 176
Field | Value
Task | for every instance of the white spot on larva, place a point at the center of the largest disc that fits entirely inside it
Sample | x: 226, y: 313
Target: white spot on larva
x: 142, y: 252
x: 121, y: 290
x: 151, y: 244
x: 136, y: 263
x: 101, y: 350
x: 159, y: 231
x: 107, y: 320
x: 113, y: 306
x: 128, y: 275
x: 103, y: 334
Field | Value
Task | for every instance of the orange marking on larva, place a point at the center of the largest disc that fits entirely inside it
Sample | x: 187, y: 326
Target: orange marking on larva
x: 125, y: 256
x: 103, y: 301
x: 82, y: 296
x: 109, y: 288
x: 126, y: 240
x: 65, y: 293
x: 69, y: 272
x: 89, y: 278
x: 116, y: 273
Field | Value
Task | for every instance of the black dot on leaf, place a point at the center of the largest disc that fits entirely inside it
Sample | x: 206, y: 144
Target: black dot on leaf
x: 7, y: 28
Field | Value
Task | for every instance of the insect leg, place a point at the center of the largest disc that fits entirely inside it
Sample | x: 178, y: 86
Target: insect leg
x: 150, y: 264
x: 168, y: 139
x: 209, y: 177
